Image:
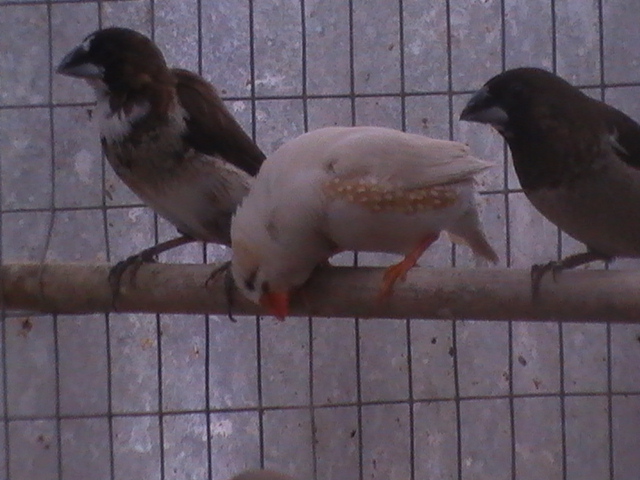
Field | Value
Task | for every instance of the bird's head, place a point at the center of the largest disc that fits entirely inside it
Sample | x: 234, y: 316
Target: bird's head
x: 269, y: 261
x: 259, y: 279
x: 511, y: 99
x: 118, y: 60
x: 275, y: 238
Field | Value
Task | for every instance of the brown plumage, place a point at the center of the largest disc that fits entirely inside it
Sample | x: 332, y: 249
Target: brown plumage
x: 167, y: 134
x: 577, y: 159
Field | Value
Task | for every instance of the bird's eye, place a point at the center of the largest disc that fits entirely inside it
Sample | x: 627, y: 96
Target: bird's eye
x: 517, y: 89
x: 250, y: 282
x: 86, y: 44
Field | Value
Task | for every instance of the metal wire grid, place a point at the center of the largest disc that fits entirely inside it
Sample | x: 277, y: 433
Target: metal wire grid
x: 457, y: 402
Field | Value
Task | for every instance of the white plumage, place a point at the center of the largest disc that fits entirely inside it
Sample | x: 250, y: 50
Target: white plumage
x: 351, y: 188
x: 115, y: 126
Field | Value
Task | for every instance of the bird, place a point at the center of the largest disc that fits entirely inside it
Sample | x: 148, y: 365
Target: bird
x: 351, y: 188
x: 168, y: 136
x: 261, y: 475
x: 577, y: 160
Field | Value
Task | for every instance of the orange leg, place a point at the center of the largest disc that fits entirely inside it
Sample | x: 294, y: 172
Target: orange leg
x: 399, y: 271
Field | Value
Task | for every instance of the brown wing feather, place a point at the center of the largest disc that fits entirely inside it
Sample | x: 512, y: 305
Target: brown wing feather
x: 211, y: 129
x: 626, y: 133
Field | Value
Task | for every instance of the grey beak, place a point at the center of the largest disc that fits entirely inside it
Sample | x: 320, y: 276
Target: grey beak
x: 76, y: 64
x: 483, y: 108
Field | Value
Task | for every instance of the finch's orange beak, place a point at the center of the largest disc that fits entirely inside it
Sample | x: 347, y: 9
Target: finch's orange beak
x: 277, y: 303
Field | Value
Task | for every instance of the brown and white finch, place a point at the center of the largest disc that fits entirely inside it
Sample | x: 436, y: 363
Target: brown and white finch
x: 261, y: 475
x: 577, y: 159
x: 351, y: 188
x: 167, y: 134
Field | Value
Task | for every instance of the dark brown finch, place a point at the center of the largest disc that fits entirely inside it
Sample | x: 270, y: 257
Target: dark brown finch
x: 577, y: 159
x: 168, y: 136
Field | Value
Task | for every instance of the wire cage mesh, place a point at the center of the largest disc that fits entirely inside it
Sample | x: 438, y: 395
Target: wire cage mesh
x: 124, y: 396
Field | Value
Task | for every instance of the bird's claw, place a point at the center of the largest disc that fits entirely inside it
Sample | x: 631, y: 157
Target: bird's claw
x: 217, y: 271
x: 132, y: 263
x: 538, y: 271
x: 228, y: 286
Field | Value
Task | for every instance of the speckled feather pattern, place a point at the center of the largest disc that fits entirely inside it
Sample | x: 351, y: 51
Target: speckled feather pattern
x: 378, y: 198
x: 352, y: 188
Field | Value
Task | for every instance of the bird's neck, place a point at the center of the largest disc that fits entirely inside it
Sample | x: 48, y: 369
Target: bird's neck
x: 116, y: 123
x: 117, y: 112
x: 548, y: 157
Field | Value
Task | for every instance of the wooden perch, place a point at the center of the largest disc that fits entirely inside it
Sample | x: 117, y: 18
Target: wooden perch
x: 479, y: 294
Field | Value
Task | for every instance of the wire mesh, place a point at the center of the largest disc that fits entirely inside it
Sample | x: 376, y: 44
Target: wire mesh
x: 176, y: 396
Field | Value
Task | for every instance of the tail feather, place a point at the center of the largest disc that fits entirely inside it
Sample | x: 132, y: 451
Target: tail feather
x: 468, y: 231
x: 478, y: 243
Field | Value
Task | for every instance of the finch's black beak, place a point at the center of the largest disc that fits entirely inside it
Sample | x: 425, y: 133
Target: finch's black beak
x: 483, y: 108
x: 76, y: 63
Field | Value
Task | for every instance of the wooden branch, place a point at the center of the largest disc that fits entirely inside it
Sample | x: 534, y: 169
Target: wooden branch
x: 479, y: 294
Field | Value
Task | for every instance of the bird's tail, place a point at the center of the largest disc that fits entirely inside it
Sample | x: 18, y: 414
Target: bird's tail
x: 468, y: 231
x: 478, y: 244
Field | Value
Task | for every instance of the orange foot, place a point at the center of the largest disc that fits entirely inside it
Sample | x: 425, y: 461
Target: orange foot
x: 399, y: 270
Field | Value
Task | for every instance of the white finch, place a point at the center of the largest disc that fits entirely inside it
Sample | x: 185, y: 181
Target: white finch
x: 261, y: 475
x: 351, y: 188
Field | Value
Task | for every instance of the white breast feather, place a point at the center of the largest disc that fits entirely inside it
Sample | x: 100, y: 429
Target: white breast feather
x: 116, y: 126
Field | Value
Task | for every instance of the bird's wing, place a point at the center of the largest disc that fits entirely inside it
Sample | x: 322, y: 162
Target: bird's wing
x: 624, y: 135
x: 400, y: 160
x: 211, y: 129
